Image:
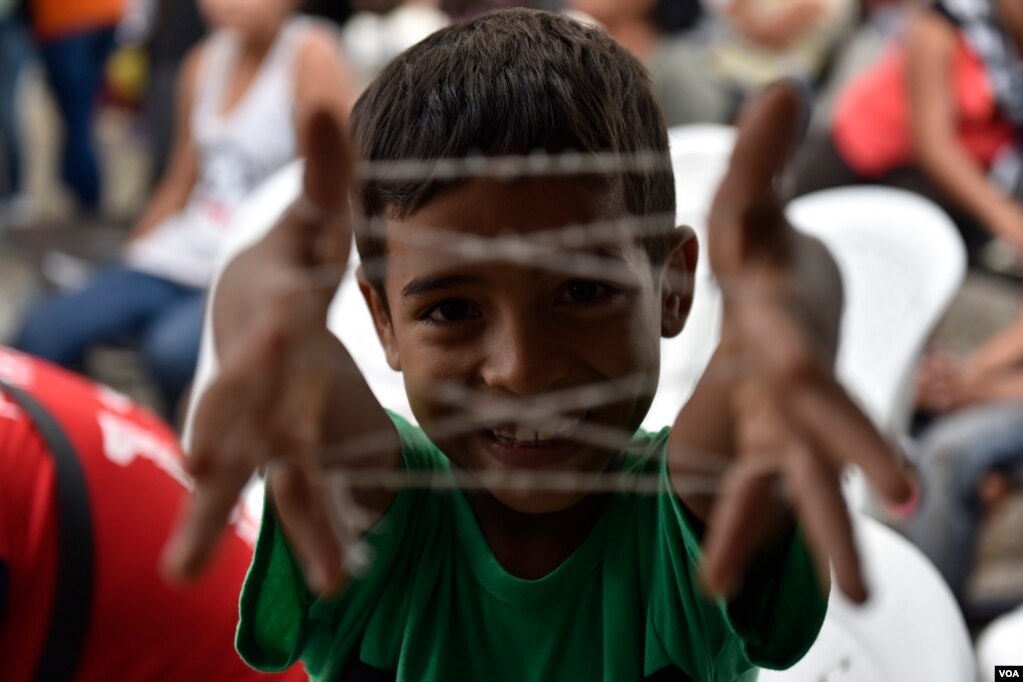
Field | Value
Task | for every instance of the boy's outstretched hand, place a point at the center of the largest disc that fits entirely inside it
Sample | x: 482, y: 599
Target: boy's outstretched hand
x: 793, y: 424
x: 279, y: 368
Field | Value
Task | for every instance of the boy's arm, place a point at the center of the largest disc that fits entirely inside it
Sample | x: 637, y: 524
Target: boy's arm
x: 769, y: 401
x: 287, y: 389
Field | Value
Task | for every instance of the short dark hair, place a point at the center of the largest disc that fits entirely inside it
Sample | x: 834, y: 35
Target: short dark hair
x: 511, y: 82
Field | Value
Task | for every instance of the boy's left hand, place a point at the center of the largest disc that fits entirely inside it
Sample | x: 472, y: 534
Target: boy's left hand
x: 793, y: 424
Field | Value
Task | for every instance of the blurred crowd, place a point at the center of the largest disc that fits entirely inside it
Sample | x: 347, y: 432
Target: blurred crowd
x: 924, y: 95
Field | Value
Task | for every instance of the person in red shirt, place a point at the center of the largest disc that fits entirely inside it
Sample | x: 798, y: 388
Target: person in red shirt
x: 940, y: 114
x: 81, y: 531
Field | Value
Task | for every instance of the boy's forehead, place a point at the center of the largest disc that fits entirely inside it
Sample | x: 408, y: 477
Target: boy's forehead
x: 493, y: 208
x: 494, y: 228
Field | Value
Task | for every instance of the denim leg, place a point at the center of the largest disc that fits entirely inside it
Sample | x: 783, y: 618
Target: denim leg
x: 171, y: 347
x: 74, y: 66
x: 113, y: 308
x: 15, y: 50
x: 954, y: 455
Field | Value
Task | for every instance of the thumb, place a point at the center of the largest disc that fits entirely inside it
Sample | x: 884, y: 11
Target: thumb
x: 747, y: 216
x: 328, y: 169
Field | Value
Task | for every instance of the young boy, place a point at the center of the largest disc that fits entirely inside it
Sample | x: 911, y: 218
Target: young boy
x: 509, y: 335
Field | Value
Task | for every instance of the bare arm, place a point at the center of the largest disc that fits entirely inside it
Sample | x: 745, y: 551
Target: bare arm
x: 931, y: 46
x: 1002, y: 351
x: 182, y: 171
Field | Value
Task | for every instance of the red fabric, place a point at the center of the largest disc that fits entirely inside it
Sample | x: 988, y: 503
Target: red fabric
x: 871, y: 125
x: 140, y: 628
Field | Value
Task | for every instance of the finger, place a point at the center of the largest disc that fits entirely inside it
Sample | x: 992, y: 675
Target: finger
x: 836, y: 426
x: 223, y: 453
x: 822, y: 512
x: 816, y: 405
x: 328, y: 169
x: 206, y: 513
x: 770, y: 128
x: 322, y: 212
x: 740, y: 525
x: 301, y: 507
x: 745, y: 207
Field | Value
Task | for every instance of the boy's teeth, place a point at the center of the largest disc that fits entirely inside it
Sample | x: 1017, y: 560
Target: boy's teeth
x: 550, y: 431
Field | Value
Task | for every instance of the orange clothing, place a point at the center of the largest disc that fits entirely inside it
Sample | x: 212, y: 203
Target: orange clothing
x: 871, y: 125
x: 53, y: 19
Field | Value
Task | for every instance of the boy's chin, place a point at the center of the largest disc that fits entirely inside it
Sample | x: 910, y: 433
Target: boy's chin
x: 537, y: 502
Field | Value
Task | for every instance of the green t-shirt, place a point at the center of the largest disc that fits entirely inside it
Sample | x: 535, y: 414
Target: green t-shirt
x: 436, y: 605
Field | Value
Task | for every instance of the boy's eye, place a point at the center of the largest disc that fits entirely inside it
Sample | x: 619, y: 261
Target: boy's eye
x: 584, y: 291
x: 451, y: 310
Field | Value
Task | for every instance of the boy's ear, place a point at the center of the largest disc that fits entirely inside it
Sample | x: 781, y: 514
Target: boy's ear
x: 381, y: 319
x: 677, y: 282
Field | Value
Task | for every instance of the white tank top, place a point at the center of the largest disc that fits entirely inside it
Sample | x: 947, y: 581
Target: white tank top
x: 235, y: 153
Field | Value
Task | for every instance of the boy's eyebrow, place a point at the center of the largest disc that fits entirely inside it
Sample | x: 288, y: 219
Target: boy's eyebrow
x: 425, y: 285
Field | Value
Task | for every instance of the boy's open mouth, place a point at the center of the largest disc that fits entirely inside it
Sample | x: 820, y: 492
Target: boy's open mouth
x: 536, y: 444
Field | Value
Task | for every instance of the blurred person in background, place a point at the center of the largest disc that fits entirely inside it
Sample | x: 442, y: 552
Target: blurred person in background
x: 15, y: 50
x: 90, y: 486
x: 380, y: 30
x: 75, y: 38
x: 970, y: 458
x: 655, y: 31
x: 759, y: 41
x: 245, y: 96
x: 939, y: 114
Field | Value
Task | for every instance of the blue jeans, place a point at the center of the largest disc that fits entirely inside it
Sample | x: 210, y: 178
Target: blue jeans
x: 15, y: 50
x: 119, y: 306
x: 954, y: 456
x: 74, y: 66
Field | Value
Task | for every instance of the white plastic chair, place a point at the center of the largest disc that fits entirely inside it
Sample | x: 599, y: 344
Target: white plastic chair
x: 910, y: 629
x: 1001, y: 643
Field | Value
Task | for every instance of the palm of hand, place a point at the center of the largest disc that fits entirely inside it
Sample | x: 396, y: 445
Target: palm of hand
x: 794, y: 426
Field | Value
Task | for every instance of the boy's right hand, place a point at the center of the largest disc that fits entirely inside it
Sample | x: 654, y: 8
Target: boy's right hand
x: 267, y: 403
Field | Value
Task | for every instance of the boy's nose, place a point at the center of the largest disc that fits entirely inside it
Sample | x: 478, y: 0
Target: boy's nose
x: 524, y: 360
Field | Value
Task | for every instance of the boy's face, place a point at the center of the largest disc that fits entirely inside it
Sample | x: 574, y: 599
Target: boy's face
x: 469, y: 333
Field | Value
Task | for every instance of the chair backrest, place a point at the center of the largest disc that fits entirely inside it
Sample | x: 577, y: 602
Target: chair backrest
x: 910, y: 629
x: 1000, y: 643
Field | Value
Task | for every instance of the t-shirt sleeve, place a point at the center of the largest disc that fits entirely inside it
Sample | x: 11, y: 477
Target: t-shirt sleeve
x: 280, y: 621
x: 771, y: 624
